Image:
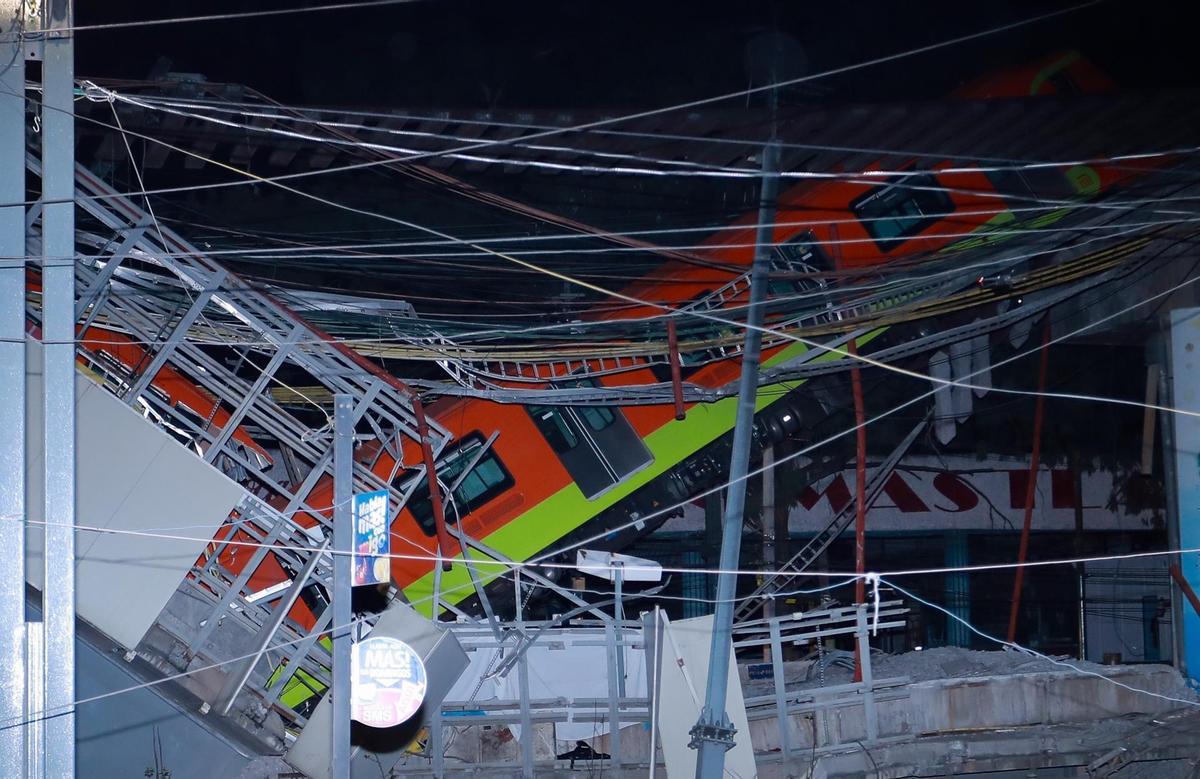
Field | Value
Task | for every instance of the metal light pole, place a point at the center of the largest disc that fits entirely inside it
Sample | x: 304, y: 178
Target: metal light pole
x: 12, y: 385
x: 58, y: 337
x: 37, y: 705
x: 713, y: 733
x: 343, y: 541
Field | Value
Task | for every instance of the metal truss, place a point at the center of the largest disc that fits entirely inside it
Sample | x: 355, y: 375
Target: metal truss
x: 775, y: 581
x: 480, y: 373
x: 235, y: 343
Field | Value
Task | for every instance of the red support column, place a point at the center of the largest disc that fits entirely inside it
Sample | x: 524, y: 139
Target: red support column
x: 1023, y: 551
x: 676, y: 380
x: 1185, y: 588
x: 435, y: 492
x: 860, y: 492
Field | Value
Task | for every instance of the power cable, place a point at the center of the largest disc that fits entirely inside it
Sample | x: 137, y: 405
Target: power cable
x: 1032, y: 652
x: 346, y: 6
x: 882, y: 579
x: 555, y: 274
x: 268, y: 255
x: 96, y: 93
x: 829, y: 439
x: 571, y: 279
x: 844, y: 578
x: 495, y: 349
x: 668, y: 109
x: 233, y: 106
x: 684, y: 168
x: 355, y: 251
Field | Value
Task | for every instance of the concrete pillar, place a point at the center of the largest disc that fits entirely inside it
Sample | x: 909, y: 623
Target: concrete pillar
x: 714, y: 509
x: 12, y: 385
x: 958, y: 588
x: 1181, y: 439
x: 695, y: 588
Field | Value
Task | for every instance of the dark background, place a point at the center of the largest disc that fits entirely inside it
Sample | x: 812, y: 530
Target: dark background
x: 615, y: 53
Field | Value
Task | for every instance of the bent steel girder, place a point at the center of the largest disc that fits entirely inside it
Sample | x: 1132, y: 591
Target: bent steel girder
x: 193, y: 318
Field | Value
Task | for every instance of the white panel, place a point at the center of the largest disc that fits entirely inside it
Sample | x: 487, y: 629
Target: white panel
x: 981, y: 364
x: 960, y: 369
x: 554, y: 673
x: 130, y: 475
x: 966, y: 493
x: 686, y: 644
x: 944, y: 425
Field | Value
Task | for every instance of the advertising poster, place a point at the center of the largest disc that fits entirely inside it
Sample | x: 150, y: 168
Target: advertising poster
x: 372, y: 541
x: 387, y: 682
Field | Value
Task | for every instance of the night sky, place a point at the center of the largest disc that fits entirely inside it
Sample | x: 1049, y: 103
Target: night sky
x: 609, y: 56
x: 614, y: 53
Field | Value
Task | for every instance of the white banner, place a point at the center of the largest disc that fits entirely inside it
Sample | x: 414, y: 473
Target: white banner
x: 962, y: 493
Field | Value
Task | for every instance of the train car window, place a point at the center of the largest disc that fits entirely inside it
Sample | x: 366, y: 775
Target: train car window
x: 894, y: 212
x: 191, y: 416
x: 597, y: 417
x: 802, y: 250
x: 800, y: 254
x: 1062, y: 83
x: 486, y: 480
x: 604, y: 447
x: 1023, y: 187
x: 558, y: 430
x: 486, y: 476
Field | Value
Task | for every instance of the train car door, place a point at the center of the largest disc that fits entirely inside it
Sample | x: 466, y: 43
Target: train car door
x: 596, y: 444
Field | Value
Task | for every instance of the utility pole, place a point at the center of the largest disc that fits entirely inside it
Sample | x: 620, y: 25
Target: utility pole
x: 770, y: 557
x: 58, y: 418
x: 713, y: 733
x: 38, y: 702
x: 343, y: 542
x: 12, y: 385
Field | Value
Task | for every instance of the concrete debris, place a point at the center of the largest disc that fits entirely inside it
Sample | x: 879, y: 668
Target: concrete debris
x: 954, y: 662
x: 926, y: 665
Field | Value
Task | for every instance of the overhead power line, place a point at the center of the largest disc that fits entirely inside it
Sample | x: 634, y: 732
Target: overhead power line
x: 803, y: 451
x: 244, y: 108
x: 607, y: 122
x: 679, y: 168
x: 567, y: 277
x: 235, y: 15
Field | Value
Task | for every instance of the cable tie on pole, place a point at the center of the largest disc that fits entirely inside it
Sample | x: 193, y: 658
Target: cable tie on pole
x: 96, y: 93
x: 873, y: 580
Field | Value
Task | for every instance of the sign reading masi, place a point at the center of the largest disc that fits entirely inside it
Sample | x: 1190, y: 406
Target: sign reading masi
x: 388, y: 682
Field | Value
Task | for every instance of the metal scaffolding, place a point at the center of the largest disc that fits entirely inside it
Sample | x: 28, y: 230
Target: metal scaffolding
x: 789, y: 704
x: 234, y: 342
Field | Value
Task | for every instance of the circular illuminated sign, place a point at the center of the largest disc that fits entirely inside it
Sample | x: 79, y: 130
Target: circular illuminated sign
x: 387, y: 682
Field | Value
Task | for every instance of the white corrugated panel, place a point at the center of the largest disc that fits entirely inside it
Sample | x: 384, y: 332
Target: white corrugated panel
x: 130, y: 476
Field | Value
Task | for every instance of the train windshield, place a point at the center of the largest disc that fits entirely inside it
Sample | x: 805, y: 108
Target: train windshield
x: 894, y: 212
x: 487, y: 479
